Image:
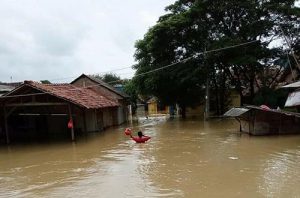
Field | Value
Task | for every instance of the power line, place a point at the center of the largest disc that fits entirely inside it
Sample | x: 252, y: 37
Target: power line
x: 195, y: 56
x: 186, y: 59
x: 158, y: 69
x: 170, y: 65
x: 105, y: 72
x: 123, y: 68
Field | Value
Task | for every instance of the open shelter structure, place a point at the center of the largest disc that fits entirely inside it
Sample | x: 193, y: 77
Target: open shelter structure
x: 262, y: 121
x: 38, y: 110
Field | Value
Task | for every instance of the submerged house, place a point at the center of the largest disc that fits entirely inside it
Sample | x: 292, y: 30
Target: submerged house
x: 265, y: 121
x: 199, y: 110
x: 155, y: 107
x: 122, y: 112
x: 40, y: 110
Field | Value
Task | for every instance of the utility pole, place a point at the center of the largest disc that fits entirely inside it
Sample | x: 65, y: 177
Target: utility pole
x: 206, y: 113
x: 207, y: 99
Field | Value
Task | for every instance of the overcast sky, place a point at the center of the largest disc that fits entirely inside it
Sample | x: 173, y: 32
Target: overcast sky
x: 54, y: 39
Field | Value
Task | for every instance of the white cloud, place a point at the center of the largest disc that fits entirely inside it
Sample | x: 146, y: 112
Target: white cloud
x: 53, y: 39
x: 148, y: 18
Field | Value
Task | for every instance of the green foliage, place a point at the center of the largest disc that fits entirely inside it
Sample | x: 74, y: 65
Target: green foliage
x: 45, y: 82
x: 270, y: 97
x: 130, y: 89
x: 109, y: 78
x: 194, y: 26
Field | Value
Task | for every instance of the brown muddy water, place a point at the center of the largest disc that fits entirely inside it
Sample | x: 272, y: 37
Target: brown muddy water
x: 190, y: 158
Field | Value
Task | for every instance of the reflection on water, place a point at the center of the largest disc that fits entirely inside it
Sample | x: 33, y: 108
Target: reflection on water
x: 188, y: 158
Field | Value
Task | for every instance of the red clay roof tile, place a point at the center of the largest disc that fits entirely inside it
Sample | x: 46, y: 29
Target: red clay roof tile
x: 80, y: 96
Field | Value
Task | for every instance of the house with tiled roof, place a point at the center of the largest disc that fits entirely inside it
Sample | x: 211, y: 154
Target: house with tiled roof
x: 35, y: 109
x: 87, y: 81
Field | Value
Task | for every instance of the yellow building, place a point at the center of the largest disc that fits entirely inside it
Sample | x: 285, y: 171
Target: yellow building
x: 235, y: 99
x: 198, y: 111
x: 155, y: 108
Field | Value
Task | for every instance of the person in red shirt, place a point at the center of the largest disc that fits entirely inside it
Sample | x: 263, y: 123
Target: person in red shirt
x: 141, y: 138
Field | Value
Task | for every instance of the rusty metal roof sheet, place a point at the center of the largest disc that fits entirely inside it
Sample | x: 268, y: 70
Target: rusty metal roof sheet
x: 293, y: 99
x: 237, y: 111
x: 277, y: 111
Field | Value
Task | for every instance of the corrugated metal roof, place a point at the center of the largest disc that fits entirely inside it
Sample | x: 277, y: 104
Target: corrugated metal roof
x: 237, y: 111
x: 293, y: 99
x: 292, y: 85
x: 288, y: 113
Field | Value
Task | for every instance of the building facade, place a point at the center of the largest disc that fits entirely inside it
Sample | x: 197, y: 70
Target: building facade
x: 120, y: 115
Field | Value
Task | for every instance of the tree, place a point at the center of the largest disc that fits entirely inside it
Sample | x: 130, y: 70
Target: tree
x: 109, y: 78
x: 45, y: 82
x: 195, y: 26
x: 130, y: 89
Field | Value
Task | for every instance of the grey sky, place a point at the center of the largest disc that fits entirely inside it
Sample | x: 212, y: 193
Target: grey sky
x: 53, y: 39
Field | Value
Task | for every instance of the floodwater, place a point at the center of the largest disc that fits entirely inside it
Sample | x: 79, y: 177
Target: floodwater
x: 190, y: 158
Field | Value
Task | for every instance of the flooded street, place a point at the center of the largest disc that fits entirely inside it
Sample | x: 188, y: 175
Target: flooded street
x: 190, y: 158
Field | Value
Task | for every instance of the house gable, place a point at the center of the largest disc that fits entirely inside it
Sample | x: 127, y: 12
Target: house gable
x: 99, y: 87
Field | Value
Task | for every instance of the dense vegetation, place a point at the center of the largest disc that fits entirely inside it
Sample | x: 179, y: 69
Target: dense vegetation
x: 192, y: 27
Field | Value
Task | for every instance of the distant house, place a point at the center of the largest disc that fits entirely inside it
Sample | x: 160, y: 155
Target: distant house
x: 234, y: 99
x: 121, y: 114
x: 155, y: 107
x: 264, y: 121
x: 119, y: 88
x: 141, y: 108
x: 37, y: 110
x: 7, y: 87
